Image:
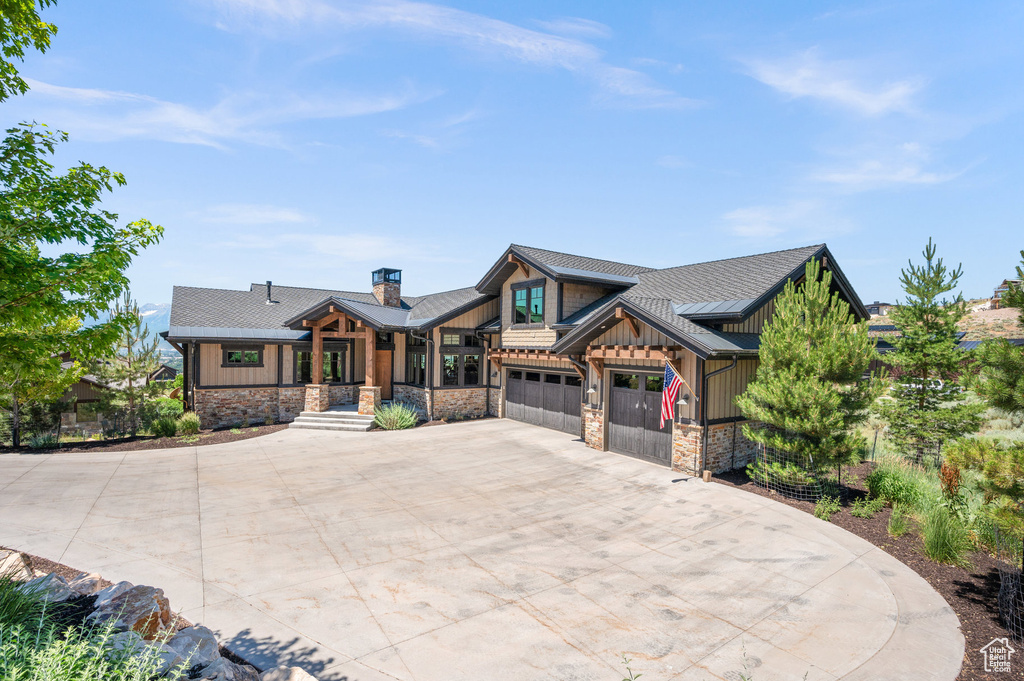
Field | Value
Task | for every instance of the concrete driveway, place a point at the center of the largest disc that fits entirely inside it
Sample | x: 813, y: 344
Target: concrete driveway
x: 483, y: 550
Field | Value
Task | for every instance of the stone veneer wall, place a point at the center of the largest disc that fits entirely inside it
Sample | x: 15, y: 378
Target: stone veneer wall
x: 464, y: 402
x: 317, y: 397
x: 233, y: 406
x: 343, y: 394
x: 726, y: 448
x: 593, y: 426
x: 290, y: 403
x: 369, y: 398
x: 497, y: 407
x: 411, y: 394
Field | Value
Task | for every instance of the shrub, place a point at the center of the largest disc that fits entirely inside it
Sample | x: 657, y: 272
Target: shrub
x: 946, y: 539
x: 165, y: 427
x: 46, y: 441
x: 826, y: 507
x: 787, y: 473
x: 865, y: 508
x: 188, y: 423
x: 166, y: 407
x: 395, y: 416
x: 236, y: 431
x: 898, y: 524
x: 896, y: 481
x: 19, y: 607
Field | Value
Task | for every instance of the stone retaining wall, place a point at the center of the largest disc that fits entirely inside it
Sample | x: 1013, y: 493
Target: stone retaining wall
x: 411, y: 394
x: 290, y: 403
x: 343, y: 394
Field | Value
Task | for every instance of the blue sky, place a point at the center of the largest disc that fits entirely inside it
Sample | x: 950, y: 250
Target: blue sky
x: 312, y: 141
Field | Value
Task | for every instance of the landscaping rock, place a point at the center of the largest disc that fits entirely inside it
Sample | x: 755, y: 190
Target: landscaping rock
x: 286, y: 674
x: 165, y: 657
x: 15, y: 565
x: 143, y: 609
x: 52, y: 587
x: 223, y: 669
x: 86, y: 584
x: 104, y: 596
x: 196, y: 644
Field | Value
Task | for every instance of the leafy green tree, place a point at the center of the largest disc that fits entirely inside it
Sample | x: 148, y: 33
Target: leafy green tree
x: 30, y: 379
x: 126, y: 371
x: 20, y: 28
x: 924, y: 408
x: 44, y: 298
x: 809, y: 387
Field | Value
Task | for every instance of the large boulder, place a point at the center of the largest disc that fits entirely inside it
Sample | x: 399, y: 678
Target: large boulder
x: 104, y: 596
x: 196, y: 644
x: 142, y: 609
x: 86, y: 584
x: 286, y: 674
x: 223, y: 669
x: 14, y: 565
x: 51, y: 587
x: 163, y: 657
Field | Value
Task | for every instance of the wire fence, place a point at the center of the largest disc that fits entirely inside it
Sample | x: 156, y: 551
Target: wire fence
x: 792, y: 475
x: 1009, y: 554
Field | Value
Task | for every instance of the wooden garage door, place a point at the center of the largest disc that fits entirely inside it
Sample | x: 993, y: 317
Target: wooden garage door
x: 544, y: 399
x: 634, y: 417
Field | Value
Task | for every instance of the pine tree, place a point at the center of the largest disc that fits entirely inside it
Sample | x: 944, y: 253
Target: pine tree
x: 1001, y: 365
x: 809, y: 387
x: 126, y: 371
x: 924, y: 409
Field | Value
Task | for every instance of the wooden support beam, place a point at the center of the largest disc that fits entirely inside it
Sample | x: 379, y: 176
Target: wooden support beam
x: 371, y: 354
x: 634, y: 327
x: 597, y: 365
x: 520, y: 264
x: 317, y: 361
x: 581, y: 371
x: 342, y: 334
x: 177, y: 347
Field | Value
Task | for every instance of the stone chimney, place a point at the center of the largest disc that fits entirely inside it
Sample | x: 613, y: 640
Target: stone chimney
x: 387, y: 287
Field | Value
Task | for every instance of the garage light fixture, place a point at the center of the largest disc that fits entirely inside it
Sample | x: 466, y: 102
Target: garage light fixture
x: 684, y: 399
x: 592, y: 391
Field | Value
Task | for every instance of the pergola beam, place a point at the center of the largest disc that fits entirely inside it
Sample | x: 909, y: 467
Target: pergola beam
x: 524, y: 268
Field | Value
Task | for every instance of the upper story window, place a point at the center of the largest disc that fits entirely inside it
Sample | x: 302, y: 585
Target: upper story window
x: 242, y: 357
x: 459, y: 338
x: 528, y: 304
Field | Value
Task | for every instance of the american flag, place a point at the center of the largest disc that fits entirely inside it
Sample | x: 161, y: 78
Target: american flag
x: 668, y: 395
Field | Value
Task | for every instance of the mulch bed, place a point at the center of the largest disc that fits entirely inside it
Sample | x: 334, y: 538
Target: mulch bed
x: 971, y: 592
x: 143, y: 442
x: 74, y: 611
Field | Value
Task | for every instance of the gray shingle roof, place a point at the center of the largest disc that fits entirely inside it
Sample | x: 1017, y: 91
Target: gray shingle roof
x: 568, y: 261
x: 224, y: 313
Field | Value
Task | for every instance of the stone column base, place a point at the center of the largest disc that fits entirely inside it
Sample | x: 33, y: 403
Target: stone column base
x: 369, y: 399
x: 593, y: 426
x: 318, y: 397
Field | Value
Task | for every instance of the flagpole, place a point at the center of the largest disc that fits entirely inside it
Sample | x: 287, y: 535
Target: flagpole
x: 669, y: 365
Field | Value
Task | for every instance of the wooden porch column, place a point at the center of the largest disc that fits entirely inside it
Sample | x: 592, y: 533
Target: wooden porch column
x: 317, y: 368
x: 371, y: 352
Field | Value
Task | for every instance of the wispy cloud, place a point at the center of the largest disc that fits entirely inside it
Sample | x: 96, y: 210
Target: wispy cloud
x: 837, y: 82
x: 906, y: 164
x: 105, y: 115
x: 804, y: 219
x: 618, y: 86
x: 576, y: 26
x: 251, y: 214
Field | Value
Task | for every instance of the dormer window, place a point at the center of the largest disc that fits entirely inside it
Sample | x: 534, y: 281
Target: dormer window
x: 528, y: 304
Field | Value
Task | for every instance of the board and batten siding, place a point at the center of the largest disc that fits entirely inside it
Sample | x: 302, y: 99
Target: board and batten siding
x: 213, y: 374
x: 620, y: 334
x: 575, y: 296
x: 398, y: 361
x: 723, y: 388
x: 359, y: 348
x: 755, y: 322
x: 539, y: 337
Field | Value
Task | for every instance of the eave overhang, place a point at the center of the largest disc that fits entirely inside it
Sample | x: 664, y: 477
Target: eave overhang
x: 504, y: 268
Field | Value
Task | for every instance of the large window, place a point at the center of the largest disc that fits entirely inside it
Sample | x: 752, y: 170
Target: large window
x: 416, y: 368
x: 528, y: 305
x: 334, y: 367
x: 242, y: 357
x: 460, y: 369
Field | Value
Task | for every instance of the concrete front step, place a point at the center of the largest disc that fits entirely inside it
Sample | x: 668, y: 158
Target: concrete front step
x: 330, y: 424
x: 338, y: 415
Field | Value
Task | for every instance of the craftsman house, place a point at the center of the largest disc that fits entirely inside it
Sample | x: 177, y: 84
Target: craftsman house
x: 557, y: 340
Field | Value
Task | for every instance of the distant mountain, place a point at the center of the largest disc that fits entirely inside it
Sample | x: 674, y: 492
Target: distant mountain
x: 157, y: 316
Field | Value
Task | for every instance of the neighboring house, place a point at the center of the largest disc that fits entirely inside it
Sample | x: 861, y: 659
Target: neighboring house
x: 997, y: 295
x: 563, y: 341
x: 164, y: 373
x: 876, y: 308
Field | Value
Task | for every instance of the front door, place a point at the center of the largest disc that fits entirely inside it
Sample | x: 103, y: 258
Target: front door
x: 382, y: 372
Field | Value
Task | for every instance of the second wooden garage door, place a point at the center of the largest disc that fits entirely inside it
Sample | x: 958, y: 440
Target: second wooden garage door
x: 544, y: 399
x: 634, y: 418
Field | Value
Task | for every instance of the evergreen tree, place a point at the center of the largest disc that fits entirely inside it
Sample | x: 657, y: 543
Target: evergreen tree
x: 809, y: 387
x: 126, y: 371
x: 925, y: 409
